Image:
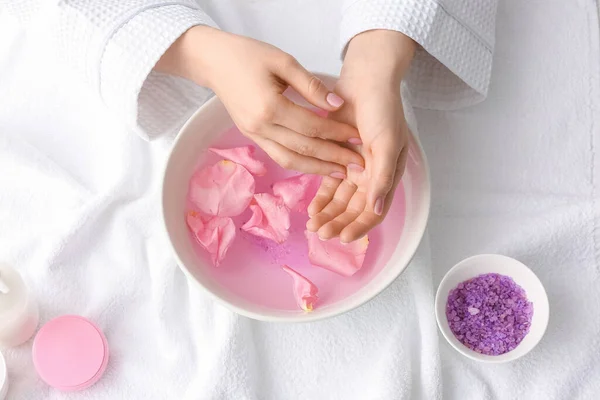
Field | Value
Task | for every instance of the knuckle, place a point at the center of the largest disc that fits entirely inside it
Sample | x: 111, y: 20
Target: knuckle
x: 386, y: 181
x: 312, y: 131
x: 251, y: 126
x: 287, y: 62
x: 315, y: 85
x: 304, y: 149
x: 266, y: 112
x: 260, y: 117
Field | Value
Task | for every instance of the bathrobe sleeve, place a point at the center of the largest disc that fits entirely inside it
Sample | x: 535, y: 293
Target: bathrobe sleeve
x: 453, y: 63
x: 113, y: 46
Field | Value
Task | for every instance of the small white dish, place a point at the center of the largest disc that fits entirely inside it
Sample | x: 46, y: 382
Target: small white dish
x: 523, y: 276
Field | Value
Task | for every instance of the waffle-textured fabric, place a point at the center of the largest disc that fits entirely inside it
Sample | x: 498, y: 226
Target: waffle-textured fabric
x: 114, y: 45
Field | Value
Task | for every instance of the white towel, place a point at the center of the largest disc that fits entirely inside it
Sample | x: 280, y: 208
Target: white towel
x: 79, y: 217
x: 520, y: 175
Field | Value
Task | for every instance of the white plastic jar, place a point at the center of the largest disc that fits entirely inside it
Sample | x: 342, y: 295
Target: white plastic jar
x: 19, y: 313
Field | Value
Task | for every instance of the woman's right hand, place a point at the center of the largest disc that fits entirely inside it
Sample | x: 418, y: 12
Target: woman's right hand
x: 250, y: 77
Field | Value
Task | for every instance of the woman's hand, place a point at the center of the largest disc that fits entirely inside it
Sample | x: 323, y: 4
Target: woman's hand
x: 250, y: 77
x: 370, y: 81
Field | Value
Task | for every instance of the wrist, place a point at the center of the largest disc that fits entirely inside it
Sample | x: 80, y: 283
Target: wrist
x: 381, y: 53
x: 188, y: 55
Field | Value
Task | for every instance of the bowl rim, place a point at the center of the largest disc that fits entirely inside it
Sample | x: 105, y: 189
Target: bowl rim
x: 420, y: 228
x: 463, y: 349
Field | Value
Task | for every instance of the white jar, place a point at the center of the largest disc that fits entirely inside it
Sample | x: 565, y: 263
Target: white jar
x: 19, y: 314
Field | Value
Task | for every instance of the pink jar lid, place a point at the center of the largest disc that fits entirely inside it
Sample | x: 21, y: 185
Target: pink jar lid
x: 70, y: 353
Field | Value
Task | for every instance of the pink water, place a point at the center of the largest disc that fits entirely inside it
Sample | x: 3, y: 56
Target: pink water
x: 252, y: 270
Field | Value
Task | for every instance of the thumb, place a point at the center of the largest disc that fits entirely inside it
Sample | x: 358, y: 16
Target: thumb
x: 384, y: 158
x: 309, y: 86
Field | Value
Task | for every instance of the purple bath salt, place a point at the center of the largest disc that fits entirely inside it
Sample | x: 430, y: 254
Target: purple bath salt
x: 489, y: 314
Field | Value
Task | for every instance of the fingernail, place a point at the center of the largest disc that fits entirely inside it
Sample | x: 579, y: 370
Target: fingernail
x: 321, y: 239
x: 379, y: 206
x: 355, y: 167
x: 354, y: 140
x: 334, y: 100
x: 337, y: 175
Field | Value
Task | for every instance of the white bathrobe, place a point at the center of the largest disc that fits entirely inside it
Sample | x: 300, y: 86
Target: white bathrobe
x: 108, y: 259
x: 114, y: 45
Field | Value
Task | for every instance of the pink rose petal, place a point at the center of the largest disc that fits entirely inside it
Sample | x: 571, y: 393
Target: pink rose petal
x: 224, y: 189
x: 215, y: 234
x: 194, y: 222
x: 305, y: 292
x: 298, y: 191
x: 344, y: 259
x: 243, y: 156
x: 270, y: 218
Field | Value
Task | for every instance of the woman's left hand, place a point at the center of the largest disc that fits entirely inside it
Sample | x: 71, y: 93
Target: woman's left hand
x: 370, y: 81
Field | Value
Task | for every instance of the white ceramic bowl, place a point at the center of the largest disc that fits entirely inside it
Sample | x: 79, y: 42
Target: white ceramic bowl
x: 523, y: 276
x: 197, y: 134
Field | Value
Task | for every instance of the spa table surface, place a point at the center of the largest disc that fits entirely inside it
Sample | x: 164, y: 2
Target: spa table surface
x: 518, y: 174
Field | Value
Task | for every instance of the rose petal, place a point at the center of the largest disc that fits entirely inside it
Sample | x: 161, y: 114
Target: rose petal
x: 245, y: 157
x: 344, y: 259
x: 215, y: 234
x: 224, y: 189
x: 298, y: 191
x: 195, y: 222
x: 270, y: 218
x: 305, y: 292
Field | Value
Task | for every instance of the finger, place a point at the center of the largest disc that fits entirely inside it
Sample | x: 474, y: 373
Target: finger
x: 317, y: 148
x: 336, y: 206
x: 334, y: 227
x: 385, y: 155
x: 308, y: 85
x: 367, y: 220
x: 306, y: 122
x: 288, y: 159
x: 401, y: 165
x: 324, y: 195
x: 361, y: 226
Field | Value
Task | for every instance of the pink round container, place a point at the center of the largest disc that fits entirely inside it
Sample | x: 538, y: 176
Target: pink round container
x: 70, y: 353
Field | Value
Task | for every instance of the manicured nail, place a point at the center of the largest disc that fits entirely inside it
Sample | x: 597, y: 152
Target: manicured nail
x: 334, y: 100
x: 338, y: 175
x: 355, y: 141
x: 379, y: 206
x: 355, y: 167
